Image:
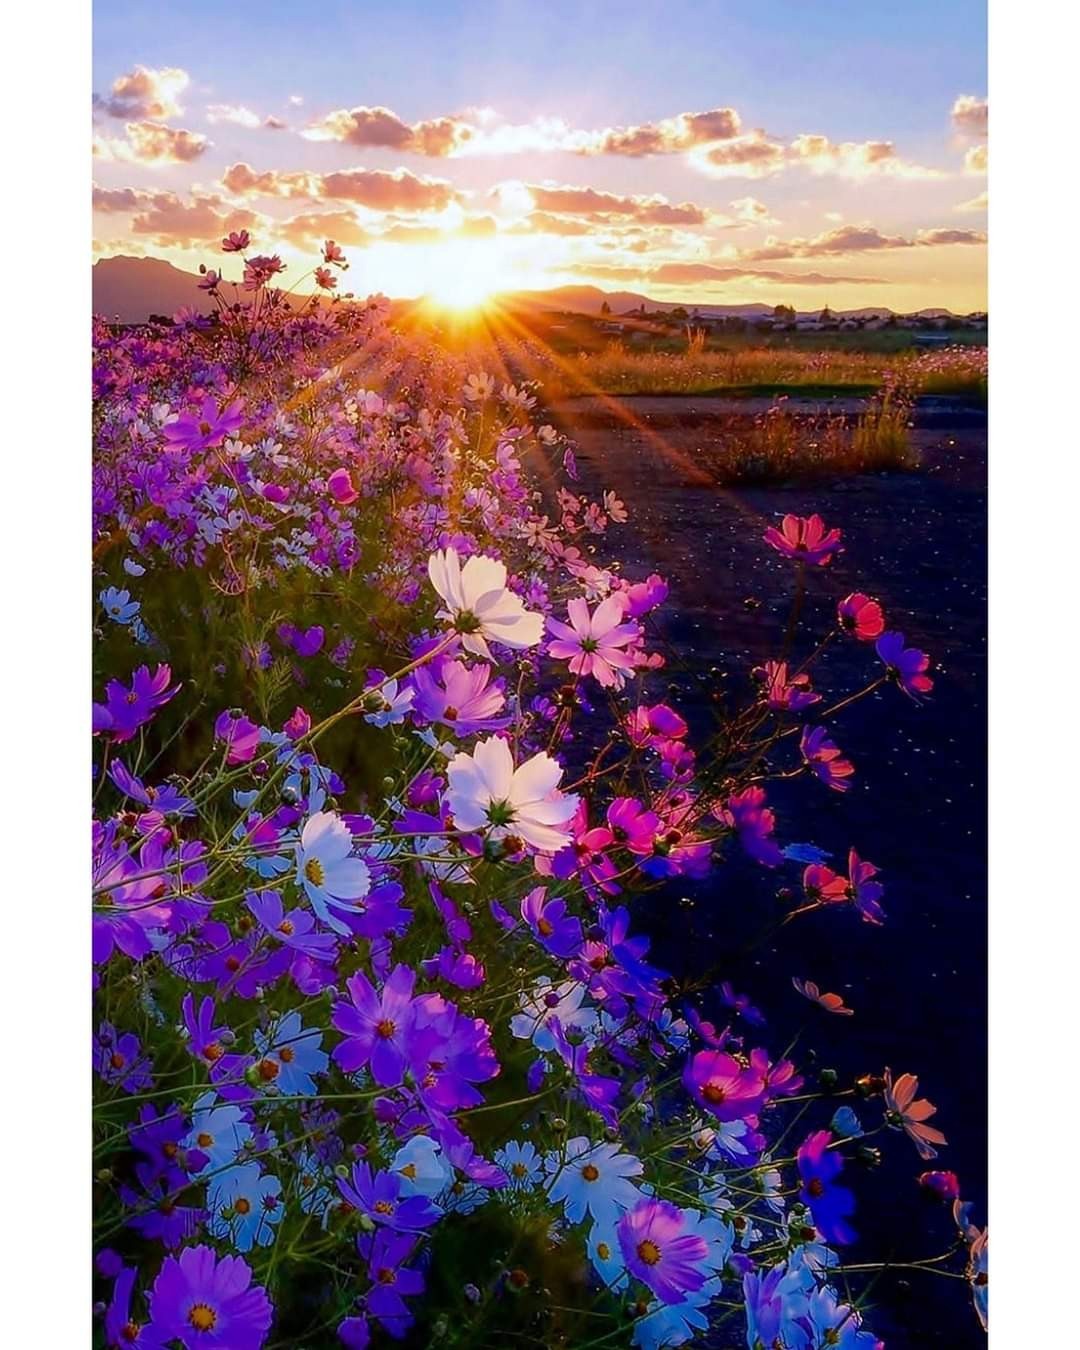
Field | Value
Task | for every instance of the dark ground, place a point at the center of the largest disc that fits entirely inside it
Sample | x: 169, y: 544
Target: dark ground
x: 916, y: 542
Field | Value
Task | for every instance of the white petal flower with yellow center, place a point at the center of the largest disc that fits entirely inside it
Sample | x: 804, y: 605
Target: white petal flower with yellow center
x: 326, y: 870
x: 476, y: 601
x: 487, y: 793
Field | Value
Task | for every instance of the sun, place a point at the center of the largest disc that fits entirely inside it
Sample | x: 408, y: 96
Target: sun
x: 460, y: 288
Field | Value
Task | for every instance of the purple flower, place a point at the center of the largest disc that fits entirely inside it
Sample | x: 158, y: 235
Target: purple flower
x: 555, y: 930
x: 376, y: 1026
x: 119, y: 1059
x: 296, y: 929
x: 391, y: 1281
x: 209, y: 426
x: 464, y: 698
x: 906, y: 665
x: 378, y: 1195
x: 804, y: 539
x: 825, y: 758
x: 240, y: 734
x: 829, y: 1203
x: 203, y: 1302
x: 660, y: 1252
x: 126, y: 710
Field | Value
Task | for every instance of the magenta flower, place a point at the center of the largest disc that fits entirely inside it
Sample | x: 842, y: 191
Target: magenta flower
x: 660, y: 1252
x: 718, y: 1082
x: 340, y: 484
x: 823, y: 886
x: 652, y: 726
x: 746, y: 813
x: 595, y: 643
x: 825, y: 758
x: 206, y: 428
x: 906, y: 665
x: 236, y: 241
x: 126, y: 710
x: 784, y: 693
x: 860, y: 617
x: 376, y: 1026
x: 632, y: 825
x: 819, y: 1167
x: 240, y: 734
x: 207, y: 1304
x: 805, y: 539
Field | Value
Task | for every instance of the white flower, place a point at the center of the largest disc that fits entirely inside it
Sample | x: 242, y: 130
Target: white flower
x: 479, y: 387
x: 396, y: 702
x: 422, y: 1168
x: 487, y: 793
x: 480, y: 606
x: 565, y: 1001
x: 331, y: 877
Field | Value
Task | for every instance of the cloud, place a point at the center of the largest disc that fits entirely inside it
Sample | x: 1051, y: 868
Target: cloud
x: 977, y: 159
x: 272, y: 123
x: 145, y: 93
x: 758, y: 155
x: 379, y: 127
x: 309, y: 229
x: 152, y: 143
x: 238, y: 116
x: 592, y: 204
x: 855, y: 239
x: 971, y: 115
x: 708, y: 274
x: 376, y: 189
x: 670, y: 136
x: 170, y: 220
x: 979, y: 203
x: 749, y: 211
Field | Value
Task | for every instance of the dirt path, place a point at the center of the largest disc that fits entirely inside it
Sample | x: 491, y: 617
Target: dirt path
x: 918, y: 543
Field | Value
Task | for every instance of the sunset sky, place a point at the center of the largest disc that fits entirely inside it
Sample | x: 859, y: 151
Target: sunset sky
x: 777, y: 151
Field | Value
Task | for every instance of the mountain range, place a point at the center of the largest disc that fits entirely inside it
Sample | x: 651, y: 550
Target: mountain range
x: 129, y: 290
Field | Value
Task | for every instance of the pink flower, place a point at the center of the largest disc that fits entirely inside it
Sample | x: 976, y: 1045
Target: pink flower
x: 906, y: 665
x: 333, y: 254
x: 805, y: 539
x: 236, y: 242
x: 640, y: 598
x: 595, y: 643
x: 825, y: 758
x: 340, y: 487
x: 325, y: 278
x: 240, y: 734
x: 206, y: 428
x: 903, y: 1112
x: 823, y: 886
x: 784, y: 693
x: 860, y: 617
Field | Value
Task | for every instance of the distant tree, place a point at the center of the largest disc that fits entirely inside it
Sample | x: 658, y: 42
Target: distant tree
x: 679, y: 313
x: 605, y: 308
x: 826, y: 315
x: 784, y: 312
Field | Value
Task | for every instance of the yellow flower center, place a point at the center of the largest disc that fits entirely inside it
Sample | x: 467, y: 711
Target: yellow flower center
x: 590, y: 1172
x: 202, y: 1317
x: 314, y: 871
x: 648, y: 1252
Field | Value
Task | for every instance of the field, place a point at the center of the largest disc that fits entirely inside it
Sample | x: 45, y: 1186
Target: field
x: 484, y: 803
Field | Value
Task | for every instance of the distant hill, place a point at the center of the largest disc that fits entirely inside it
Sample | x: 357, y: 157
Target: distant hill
x: 131, y: 289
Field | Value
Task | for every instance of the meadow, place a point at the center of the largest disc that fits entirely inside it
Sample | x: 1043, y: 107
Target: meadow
x: 387, y: 762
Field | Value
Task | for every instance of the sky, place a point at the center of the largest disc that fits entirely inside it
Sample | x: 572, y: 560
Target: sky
x: 776, y: 151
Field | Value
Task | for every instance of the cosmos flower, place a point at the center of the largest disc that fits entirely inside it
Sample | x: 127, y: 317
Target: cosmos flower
x: 660, y: 1252
x: 784, y: 693
x: 290, y: 1057
x: 907, y: 666
x: 126, y: 710
x: 903, y: 1112
x: 236, y: 241
x: 477, y: 603
x: 209, y: 1304
x: 823, y: 886
x: 392, y: 1282
x: 208, y: 427
x: 379, y: 1196
x: 118, y: 605
x: 595, y: 643
x: 376, y: 1025
x: 245, y: 1205
x: 833, y: 1003
x: 825, y: 759
x: 593, y: 1179
x: 837, y: 1325
x: 804, y: 539
x: 487, y: 793
x: 556, y: 930
x: 860, y: 617
x: 332, y: 879
x: 719, y: 1083
x: 340, y: 484
x: 463, y: 697
x: 521, y: 1163
x: 830, y: 1204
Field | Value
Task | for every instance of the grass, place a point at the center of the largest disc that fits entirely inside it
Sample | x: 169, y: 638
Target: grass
x: 745, y: 371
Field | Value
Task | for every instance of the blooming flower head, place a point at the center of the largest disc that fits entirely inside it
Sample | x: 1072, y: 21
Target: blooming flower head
x: 593, y: 1179
x: 236, y: 241
x: 825, y: 758
x: 903, y: 1112
x: 830, y: 1204
x: 556, y: 930
x: 376, y: 1025
x: 833, y: 1003
x: 118, y: 605
x: 487, y: 793
x: 463, y: 697
x: 521, y: 1163
x: 836, y: 1324
x: 290, y: 1057
x: 478, y: 604
x: 379, y: 1195
x: 718, y: 1082
x: 784, y: 692
x: 660, y: 1251
x: 245, y: 1205
x: 805, y: 539
x: 860, y: 617
x: 330, y: 876
x: 823, y: 886
x: 595, y: 643
x: 126, y: 710
x: 206, y: 428
x: 209, y: 1304
x: 907, y: 666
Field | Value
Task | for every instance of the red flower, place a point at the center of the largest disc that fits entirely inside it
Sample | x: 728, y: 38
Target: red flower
x: 805, y: 539
x: 860, y: 617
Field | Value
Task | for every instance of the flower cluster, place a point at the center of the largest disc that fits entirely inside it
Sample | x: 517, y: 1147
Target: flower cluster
x: 381, y: 1051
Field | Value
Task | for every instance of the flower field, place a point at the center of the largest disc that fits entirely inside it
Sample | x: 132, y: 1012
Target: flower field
x: 385, y: 749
